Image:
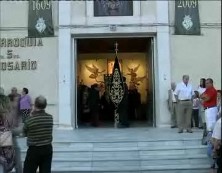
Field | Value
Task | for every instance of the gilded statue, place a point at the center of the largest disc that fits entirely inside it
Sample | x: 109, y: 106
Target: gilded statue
x: 95, y: 73
x: 133, y: 75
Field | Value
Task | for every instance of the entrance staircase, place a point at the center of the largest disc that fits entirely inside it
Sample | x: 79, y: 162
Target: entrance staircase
x: 132, y: 150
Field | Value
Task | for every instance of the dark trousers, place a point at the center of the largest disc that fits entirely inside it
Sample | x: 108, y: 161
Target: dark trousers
x: 38, y: 157
x: 95, y: 117
x: 219, y: 165
x: 204, y: 138
x: 123, y: 115
x: 195, y: 118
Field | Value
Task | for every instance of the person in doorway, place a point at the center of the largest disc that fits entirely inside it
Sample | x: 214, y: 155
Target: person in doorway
x: 123, y: 107
x: 134, y: 102
x: 38, y: 128
x: 172, y: 105
x: 137, y: 104
x: 184, y: 93
x: 209, y: 98
x: 131, y: 101
x: 94, y: 102
x: 85, y: 110
x: 25, y: 104
x: 195, y: 112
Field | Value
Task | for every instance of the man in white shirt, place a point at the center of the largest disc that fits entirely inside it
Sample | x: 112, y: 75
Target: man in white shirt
x: 184, y: 94
x: 172, y: 105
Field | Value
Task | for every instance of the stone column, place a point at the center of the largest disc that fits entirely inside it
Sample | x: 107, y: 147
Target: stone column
x: 163, y: 64
x: 65, y: 113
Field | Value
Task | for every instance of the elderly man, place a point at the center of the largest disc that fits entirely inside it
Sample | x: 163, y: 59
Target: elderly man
x: 184, y: 94
x: 172, y: 105
x: 38, y: 129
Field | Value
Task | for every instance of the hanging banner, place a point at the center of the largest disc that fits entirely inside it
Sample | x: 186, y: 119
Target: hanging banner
x: 187, y: 21
x: 117, y: 85
x: 40, y: 19
x: 113, y: 8
x: 116, y: 90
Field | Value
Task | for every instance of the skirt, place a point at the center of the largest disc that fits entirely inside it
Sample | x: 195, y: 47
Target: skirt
x: 7, y: 158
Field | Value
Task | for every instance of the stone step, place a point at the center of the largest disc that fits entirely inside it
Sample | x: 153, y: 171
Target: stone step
x: 132, y: 171
x: 167, y: 171
x: 186, y: 168
x: 127, y: 151
x: 141, y: 158
x: 125, y: 154
x: 118, y: 143
x: 134, y: 163
x: 171, y: 168
x: 126, y: 148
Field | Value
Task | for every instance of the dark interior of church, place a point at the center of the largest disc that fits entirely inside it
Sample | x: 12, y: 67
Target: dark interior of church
x: 139, y: 106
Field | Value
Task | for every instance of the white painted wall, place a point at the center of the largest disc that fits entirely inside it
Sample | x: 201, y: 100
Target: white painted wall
x: 44, y: 80
x: 198, y: 56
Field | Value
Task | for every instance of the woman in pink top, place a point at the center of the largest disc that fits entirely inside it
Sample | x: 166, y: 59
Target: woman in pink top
x: 25, y: 104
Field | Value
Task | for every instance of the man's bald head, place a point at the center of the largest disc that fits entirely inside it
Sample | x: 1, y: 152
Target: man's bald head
x: 186, y: 79
x: 40, y: 102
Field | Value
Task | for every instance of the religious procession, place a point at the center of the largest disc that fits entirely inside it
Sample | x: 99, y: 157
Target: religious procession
x: 109, y: 86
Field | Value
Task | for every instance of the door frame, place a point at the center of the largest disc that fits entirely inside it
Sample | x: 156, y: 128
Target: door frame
x: 74, y: 54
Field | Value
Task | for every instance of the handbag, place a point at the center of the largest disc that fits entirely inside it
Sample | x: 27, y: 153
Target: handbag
x: 6, y: 139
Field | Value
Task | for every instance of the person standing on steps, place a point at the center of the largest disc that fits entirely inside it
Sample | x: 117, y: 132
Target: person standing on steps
x: 184, y: 94
x: 209, y: 98
x: 172, y: 105
x: 201, y: 89
x: 38, y: 129
x: 25, y: 104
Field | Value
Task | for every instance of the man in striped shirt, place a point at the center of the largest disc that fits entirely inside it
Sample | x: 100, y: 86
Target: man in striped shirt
x: 38, y: 129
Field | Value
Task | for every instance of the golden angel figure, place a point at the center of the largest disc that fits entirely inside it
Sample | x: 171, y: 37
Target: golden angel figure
x: 133, y: 73
x: 95, y: 72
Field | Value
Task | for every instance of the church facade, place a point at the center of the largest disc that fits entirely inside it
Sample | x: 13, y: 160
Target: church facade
x: 49, y: 66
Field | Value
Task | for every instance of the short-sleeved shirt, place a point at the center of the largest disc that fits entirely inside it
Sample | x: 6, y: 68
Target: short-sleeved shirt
x: 25, y: 102
x: 183, y: 91
x: 212, y: 94
x: 38, y: 129
x: 217, y: 130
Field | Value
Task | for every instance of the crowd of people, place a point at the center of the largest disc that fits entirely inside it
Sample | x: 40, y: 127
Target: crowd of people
x: 18, y: 117
x: 94, y: 105
x: 198, y: 108
x: 190, y: 108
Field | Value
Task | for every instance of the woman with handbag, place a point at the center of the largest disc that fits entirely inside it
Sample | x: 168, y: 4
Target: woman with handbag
x: 7, y: 152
